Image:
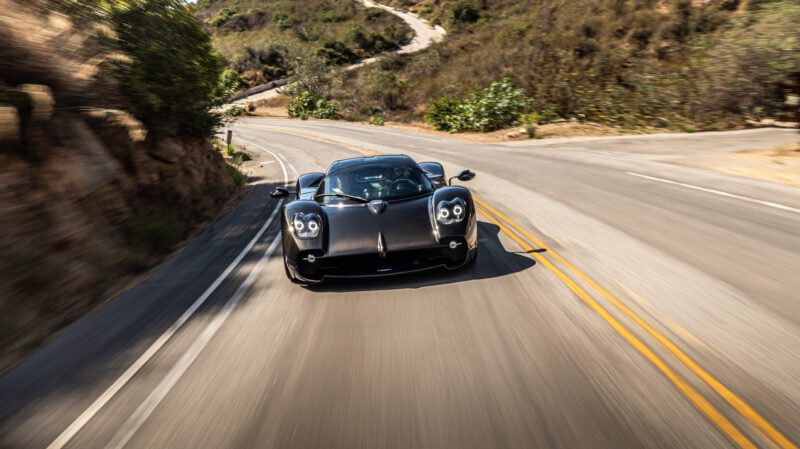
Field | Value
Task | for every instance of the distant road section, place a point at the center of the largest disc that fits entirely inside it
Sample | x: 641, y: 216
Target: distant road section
x: 424, y: 36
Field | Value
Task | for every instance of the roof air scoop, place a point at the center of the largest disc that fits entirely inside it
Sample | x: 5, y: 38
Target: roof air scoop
x: 377, y: 206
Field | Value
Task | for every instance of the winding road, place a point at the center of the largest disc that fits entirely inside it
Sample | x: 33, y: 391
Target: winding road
x: 425, y: 34
x: 621, y: 300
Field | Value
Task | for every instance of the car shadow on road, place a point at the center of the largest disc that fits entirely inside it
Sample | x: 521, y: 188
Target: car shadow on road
x: 493, y: 261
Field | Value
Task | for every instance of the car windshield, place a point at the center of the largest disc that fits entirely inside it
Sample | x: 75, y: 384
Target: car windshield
x: 373, y: 182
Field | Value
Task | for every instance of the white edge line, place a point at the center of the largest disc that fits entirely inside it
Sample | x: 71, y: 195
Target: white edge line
x: 296, y: 173
x: 143, y: 412
x: 126, y: 376
x: 719, y: 192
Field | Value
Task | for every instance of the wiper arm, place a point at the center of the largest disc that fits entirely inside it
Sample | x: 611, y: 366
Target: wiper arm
x: 343, y: 195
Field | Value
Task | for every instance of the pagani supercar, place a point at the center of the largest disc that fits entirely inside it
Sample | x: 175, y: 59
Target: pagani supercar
x: 376, y: 216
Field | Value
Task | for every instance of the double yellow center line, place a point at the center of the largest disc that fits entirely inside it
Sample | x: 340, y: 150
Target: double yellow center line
x: 530, y: 243
x: 526, y: 240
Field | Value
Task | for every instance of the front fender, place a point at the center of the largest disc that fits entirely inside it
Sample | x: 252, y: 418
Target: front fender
x: 467, y: 228
x: 293, y: 247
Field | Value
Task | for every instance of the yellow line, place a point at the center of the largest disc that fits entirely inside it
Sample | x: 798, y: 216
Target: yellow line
x: 690, y: 392
x: 737, y: 403
x: 742, y: 407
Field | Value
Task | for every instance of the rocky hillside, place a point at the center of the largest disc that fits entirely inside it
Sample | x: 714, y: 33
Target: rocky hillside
x: 677, y: 64
x: 90, y: 192
x: 262, y: 39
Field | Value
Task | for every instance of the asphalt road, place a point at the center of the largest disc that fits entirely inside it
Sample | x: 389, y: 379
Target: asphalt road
x: 621, y: 300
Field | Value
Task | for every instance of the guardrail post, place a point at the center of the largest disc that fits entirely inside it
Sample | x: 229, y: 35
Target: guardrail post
x: 230, y: 137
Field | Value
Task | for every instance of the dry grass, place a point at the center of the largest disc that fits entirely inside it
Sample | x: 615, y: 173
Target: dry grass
x: 672, y: 64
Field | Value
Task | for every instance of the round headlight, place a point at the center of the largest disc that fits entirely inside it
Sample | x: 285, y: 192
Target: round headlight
x: 306, y: 226
x: 449, y: 212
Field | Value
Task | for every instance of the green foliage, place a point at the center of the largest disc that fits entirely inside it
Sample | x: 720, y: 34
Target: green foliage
x: 172, y: 73
x: 310, y: 104
x: 229, y: 82
x: 236, y: 175
x: 529, y: 122
x: 496, y: 107
x: 446, y: 115
x: 377, y: 121
x: 234, y: 111
x: 263, y: 39
x: 230, y: 150
x: 464, y: 11
x: 222, y: 16
x: 336, y: 53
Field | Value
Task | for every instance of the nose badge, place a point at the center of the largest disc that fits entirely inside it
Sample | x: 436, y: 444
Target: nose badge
x: 377, y: 206
x: 381, y: 245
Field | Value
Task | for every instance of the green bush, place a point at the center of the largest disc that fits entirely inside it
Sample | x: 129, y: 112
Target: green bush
x: 172, y: 73
x: 222, y: 16
x: 496, y: 107
x: 234, y: 111
x: 309, y: 104
x: 229, y: 82
x: 377, y: 121
x: 464, y: 12
x: 336, y: 53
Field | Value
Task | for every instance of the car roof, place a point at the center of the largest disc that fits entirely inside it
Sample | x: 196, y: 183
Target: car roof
x: 393, y: 160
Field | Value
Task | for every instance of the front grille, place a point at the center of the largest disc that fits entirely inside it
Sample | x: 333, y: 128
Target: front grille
x: 372, y: 264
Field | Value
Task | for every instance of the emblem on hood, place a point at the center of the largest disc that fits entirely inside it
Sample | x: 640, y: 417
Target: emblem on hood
x: 381, y: 245
x: 377, y: 206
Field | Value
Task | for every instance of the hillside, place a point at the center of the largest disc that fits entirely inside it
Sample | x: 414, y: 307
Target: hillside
x: 262, y: 39
x: 106, y: 167
x: 674, y: 64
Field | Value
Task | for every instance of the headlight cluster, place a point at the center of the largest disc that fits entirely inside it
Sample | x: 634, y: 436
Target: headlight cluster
x: 449, y: 212
x: 306, y: 226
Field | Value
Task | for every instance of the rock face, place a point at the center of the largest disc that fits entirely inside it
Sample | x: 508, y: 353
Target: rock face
x: 87, y: 197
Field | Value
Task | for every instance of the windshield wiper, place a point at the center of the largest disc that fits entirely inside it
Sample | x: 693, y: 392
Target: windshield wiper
x: 343, y: 195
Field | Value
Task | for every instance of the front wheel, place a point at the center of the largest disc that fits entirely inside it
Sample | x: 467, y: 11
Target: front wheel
x: 286, y: 270
x: 294, y: 280
x: 472, y: 257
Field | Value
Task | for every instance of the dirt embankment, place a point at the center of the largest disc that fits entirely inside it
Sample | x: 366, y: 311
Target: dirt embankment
x: 87, y: 198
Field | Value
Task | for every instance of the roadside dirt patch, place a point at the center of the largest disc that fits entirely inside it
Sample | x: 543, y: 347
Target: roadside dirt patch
x: 270, y: 107
x: 548, y: 131
x: 780, y: 164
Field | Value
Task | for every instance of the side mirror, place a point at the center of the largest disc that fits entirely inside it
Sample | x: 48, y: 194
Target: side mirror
x: 279, y: 192
x: 465, y: 175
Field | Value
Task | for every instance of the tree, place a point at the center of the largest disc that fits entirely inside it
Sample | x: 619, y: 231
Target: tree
x: 172, y: 72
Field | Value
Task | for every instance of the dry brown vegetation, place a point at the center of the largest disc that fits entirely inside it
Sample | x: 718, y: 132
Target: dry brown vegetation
x: 89, y: 195
x: 261, y: 40
x: 673, y: 64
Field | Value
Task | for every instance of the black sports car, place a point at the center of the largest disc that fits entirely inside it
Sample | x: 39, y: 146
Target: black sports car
x: 376, y: 216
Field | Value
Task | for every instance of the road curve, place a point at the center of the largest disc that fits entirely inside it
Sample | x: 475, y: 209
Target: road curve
x: 621, y: 299
x: 424, y: 35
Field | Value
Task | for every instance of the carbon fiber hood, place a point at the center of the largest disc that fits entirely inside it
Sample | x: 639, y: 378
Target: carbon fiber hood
x: 403, y: 225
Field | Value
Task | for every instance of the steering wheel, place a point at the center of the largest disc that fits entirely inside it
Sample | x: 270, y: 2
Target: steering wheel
x: 402, y: 184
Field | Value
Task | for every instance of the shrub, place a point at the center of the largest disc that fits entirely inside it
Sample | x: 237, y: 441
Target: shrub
x: 446, y: 115
x: 229, y: 82
x: 234, y: 111
x: 377, y: 121
x: 464, y: 12
x: 222, y: 16
x: 496, y: 107
x: 172, y: 73
x: 336, y: 53
x: 310, y: 104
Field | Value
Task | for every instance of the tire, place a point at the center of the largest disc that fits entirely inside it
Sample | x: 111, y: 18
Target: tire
x: 286, y: 270
x: 473, y: 257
